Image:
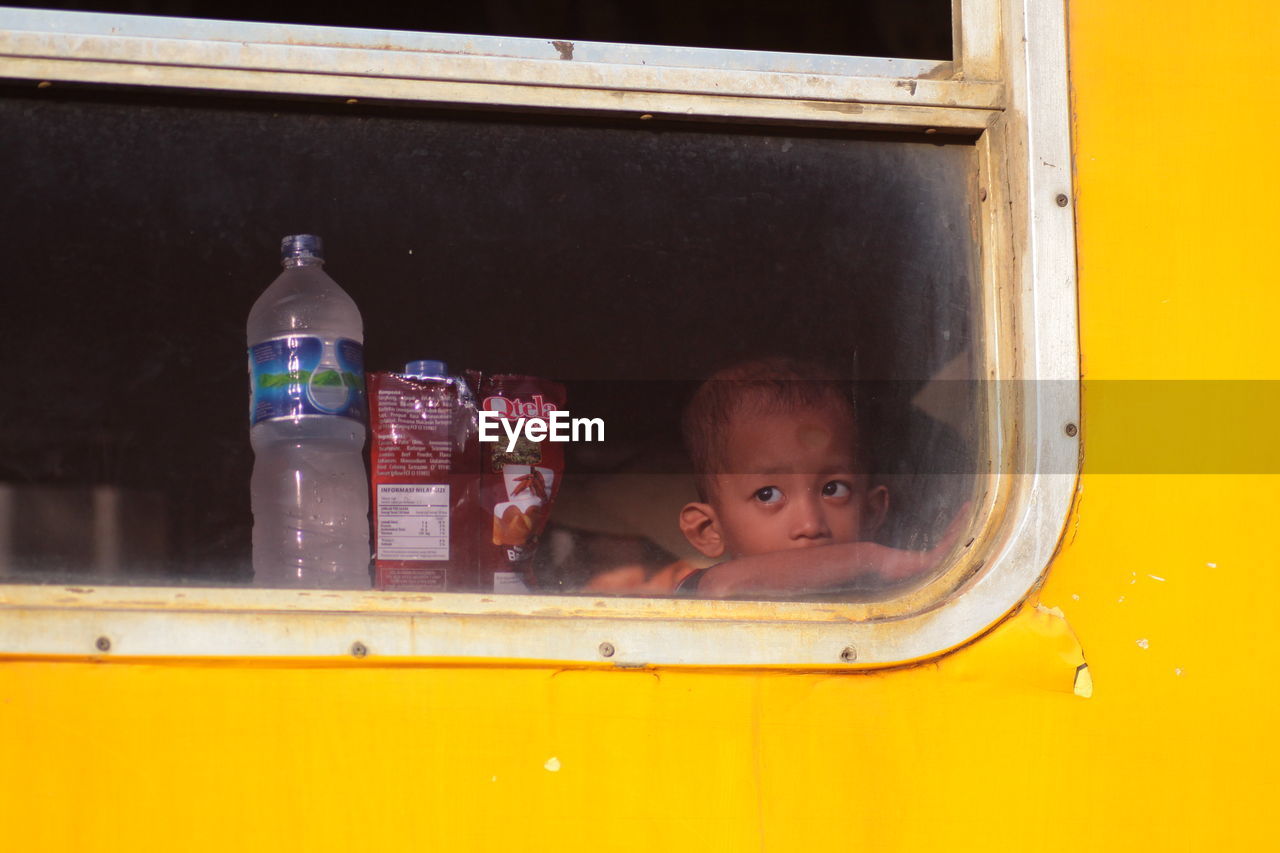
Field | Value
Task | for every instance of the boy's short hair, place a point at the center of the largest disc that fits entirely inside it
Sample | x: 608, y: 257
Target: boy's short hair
x: 767, y: 385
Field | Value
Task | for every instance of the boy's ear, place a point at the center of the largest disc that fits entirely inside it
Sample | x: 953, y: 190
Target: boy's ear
x: 701, y: 526
x: 877, y: 509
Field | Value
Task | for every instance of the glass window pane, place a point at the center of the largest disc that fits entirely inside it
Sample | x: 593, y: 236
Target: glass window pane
x: 627, y: 264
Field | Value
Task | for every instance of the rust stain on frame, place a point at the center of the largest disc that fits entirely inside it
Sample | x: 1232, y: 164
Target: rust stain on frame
x: 836, y: 107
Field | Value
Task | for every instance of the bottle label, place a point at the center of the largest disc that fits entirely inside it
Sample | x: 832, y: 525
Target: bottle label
x: 305, y: 375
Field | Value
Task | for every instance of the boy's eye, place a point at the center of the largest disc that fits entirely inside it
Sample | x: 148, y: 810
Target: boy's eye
x: 836, y: 489
x: 768, y: 495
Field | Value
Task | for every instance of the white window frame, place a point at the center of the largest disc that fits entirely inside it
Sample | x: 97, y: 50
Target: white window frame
x: 1008, y: 86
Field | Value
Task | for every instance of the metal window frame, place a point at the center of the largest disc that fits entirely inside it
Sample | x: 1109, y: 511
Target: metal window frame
x: 1007, y: 87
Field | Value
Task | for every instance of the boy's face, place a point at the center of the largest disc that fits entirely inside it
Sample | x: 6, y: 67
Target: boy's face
x: 791, y: 482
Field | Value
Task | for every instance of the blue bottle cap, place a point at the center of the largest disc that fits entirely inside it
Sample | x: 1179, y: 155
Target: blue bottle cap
x: 301, y: 246
x: 426, y: 369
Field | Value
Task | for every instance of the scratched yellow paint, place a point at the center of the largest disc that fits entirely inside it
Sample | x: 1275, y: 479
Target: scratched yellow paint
x: 1169, y: 583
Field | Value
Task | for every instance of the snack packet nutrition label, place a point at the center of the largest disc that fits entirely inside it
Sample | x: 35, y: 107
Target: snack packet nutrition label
x: 413, y: 522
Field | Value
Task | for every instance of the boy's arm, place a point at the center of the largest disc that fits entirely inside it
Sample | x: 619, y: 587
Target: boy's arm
x: 634, y: 580
x: 800, y: 570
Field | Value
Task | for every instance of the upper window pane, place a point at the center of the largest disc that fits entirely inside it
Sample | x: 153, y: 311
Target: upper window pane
x: 909, y: 29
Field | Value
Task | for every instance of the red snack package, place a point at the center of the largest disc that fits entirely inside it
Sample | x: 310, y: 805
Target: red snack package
x: 425, y: 467
x: 519, y: 479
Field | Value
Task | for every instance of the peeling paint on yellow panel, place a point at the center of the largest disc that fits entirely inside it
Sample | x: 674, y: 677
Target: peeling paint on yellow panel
x: 1033, y: 649
x: 1083, y: 686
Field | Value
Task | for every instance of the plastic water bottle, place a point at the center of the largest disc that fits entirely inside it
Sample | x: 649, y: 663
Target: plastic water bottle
x: 307, y: 416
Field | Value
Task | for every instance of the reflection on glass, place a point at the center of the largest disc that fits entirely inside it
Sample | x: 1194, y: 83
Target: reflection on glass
x: 791, y: 494
x: 630, y: 265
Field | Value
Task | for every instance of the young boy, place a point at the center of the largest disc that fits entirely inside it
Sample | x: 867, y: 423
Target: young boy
x: 785, y: 498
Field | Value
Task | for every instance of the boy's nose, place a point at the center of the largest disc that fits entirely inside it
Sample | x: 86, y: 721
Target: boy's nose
x: 810, y: 521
